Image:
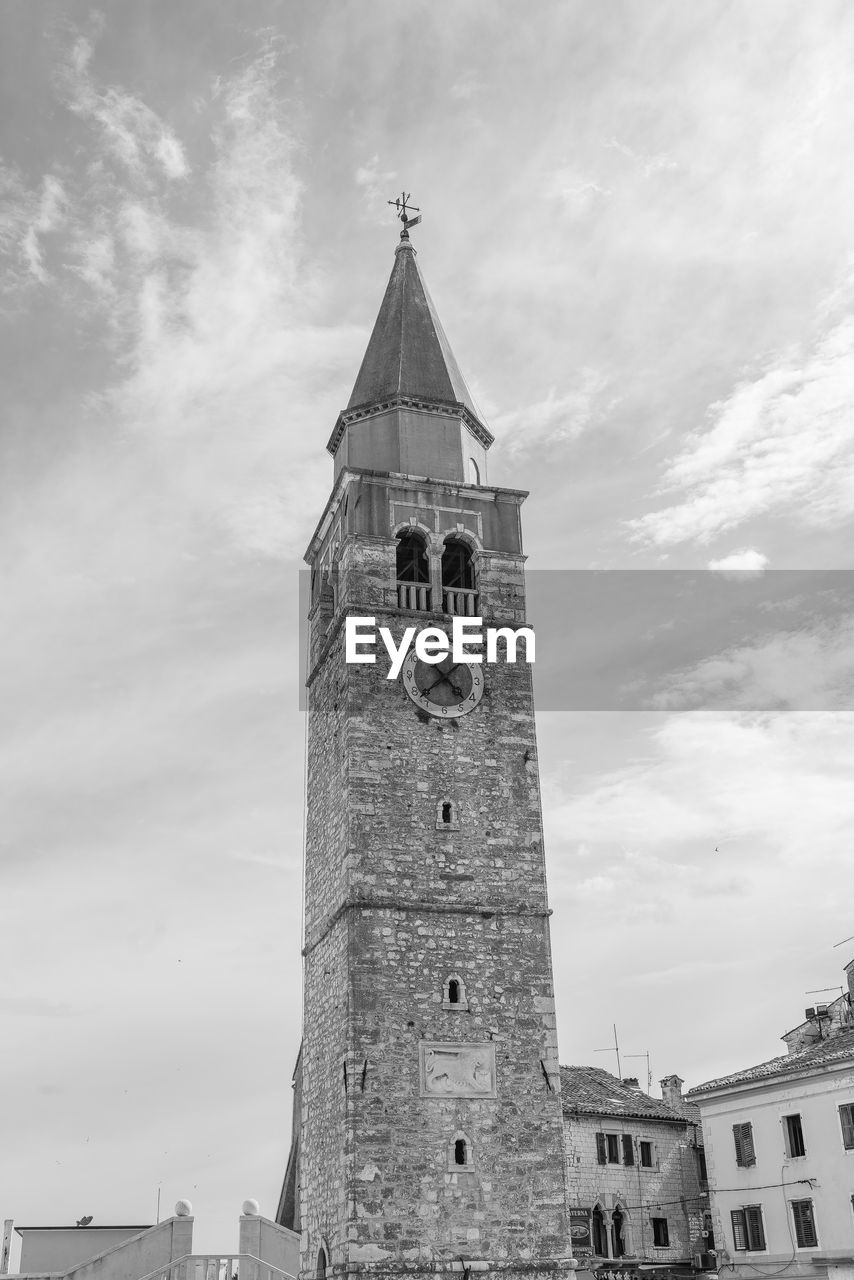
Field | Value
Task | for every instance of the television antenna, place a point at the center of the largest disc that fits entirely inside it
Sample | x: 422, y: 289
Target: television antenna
x: 614, y: 1049
x: 648, y: 1068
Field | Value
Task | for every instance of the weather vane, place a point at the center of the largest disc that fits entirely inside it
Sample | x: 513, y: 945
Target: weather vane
x: 404, y: 208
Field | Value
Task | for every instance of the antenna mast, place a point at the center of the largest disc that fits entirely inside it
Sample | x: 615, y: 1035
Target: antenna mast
x: 616, y: 1049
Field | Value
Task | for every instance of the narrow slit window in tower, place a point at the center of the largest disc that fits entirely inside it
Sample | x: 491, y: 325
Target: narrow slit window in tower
x: 460, y: 1151
x: 453, y: 991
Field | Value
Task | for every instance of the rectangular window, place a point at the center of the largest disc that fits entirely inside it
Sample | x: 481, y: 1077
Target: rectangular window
x: 646, y: 1155
x: 601, y: 1149
x: 805, y: 1232
x: 794, y: 1134
x: 846, y: 1119
x: 745, y: 1153
x: 747, y: 1229
x: 660, y: 1234
x: 628, y: 1149
x: 613, y: 1148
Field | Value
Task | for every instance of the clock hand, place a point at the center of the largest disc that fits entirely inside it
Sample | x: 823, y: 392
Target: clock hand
x: 441, y: 680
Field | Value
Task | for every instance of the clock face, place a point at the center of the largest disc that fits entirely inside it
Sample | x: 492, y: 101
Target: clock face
x: 447, y: 689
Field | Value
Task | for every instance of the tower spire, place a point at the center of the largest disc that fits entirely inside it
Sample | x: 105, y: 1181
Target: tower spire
x: 410, y: 381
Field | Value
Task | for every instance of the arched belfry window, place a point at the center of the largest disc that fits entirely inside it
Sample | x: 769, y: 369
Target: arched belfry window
x: 474, y: 472
x: 413, y: 570
x: 458, y: 583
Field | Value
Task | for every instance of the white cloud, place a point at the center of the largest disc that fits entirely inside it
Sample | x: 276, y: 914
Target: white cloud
x: 26, y: 216
x: 747, y: 560
x: 794, y: 670
x: 131, y: 132
x: 48, y: 217
x: 557, y: 417
x: 573, y: 190
x: 777, y: 784
x: 648, y: 164
x: 376, y: 183
x: 782, y: 442
x: 218, y: 361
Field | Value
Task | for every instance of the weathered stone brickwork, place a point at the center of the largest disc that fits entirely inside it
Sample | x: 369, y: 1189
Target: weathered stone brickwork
x: 634, y: 1168
x: 669, y: 1190
x: 398, y: 903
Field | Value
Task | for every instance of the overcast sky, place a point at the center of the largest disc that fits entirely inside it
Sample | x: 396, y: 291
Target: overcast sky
x: 638, y: 234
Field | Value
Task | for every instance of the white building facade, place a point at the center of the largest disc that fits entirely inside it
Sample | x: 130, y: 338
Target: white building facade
x: 779, y: 1145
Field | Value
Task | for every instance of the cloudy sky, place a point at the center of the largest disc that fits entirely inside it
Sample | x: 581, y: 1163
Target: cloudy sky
x: 637, y: 230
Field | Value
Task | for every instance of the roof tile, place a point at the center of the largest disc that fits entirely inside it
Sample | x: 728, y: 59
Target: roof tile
x: 594, y: 1091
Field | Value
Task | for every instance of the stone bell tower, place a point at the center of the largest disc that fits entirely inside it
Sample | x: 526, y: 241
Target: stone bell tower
x: 430, y: 1135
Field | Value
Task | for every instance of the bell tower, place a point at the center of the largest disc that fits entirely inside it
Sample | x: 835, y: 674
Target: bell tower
x: 430, y: 1134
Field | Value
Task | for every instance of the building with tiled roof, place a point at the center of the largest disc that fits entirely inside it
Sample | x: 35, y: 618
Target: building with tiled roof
x: 779, y: 1139
x: 635, y: 1174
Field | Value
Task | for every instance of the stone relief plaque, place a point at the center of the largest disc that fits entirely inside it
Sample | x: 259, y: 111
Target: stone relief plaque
x: 457, y: 1070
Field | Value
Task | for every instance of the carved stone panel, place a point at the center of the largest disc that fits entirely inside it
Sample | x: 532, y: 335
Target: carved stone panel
x: 457, y: 1070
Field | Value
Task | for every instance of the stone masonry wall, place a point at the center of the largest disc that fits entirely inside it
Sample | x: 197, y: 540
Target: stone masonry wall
x: 670, y: 1189
x: 397, y: 903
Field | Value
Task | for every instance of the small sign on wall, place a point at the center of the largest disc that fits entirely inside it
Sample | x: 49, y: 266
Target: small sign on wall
x: 579, y: 1230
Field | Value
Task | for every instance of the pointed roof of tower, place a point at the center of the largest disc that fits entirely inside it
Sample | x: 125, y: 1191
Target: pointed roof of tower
x: 408, y: 353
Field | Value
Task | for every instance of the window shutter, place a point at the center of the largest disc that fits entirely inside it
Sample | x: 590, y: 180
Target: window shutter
x: 846, y: 1117
x: 805, y: 1232
x: 601, y: 1154
x: 739, y: 1231
x: 745, y: 1153
x: 736, y: 1137
x: 755, y: 1233
x: 628, y: 1149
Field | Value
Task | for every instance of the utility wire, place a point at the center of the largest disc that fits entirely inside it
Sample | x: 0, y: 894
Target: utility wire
x: 765, y: 1186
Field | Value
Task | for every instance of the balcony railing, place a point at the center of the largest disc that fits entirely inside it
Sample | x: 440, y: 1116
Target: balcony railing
x: 459, y: 602
x: 414, y: 595
x: 218, y: 1266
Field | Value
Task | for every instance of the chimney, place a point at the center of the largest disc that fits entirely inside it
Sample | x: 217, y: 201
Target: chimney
x: 849, y: 973
x: 632, y: 1082
x: 671, y: 1091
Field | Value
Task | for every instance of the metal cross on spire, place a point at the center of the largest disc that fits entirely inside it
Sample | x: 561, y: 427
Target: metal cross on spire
x: 404, y: 208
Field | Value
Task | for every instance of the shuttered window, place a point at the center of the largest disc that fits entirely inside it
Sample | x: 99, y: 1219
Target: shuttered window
x: 646, y: 1154
x: 613, y: 1148
x: 745, y: 1154
x: 846, y: 1119
x: 755, y: 1229
x: 747, y: 1229
x: 805, y: 1232
x: 628, y: 1149
x: 601, y: 1154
